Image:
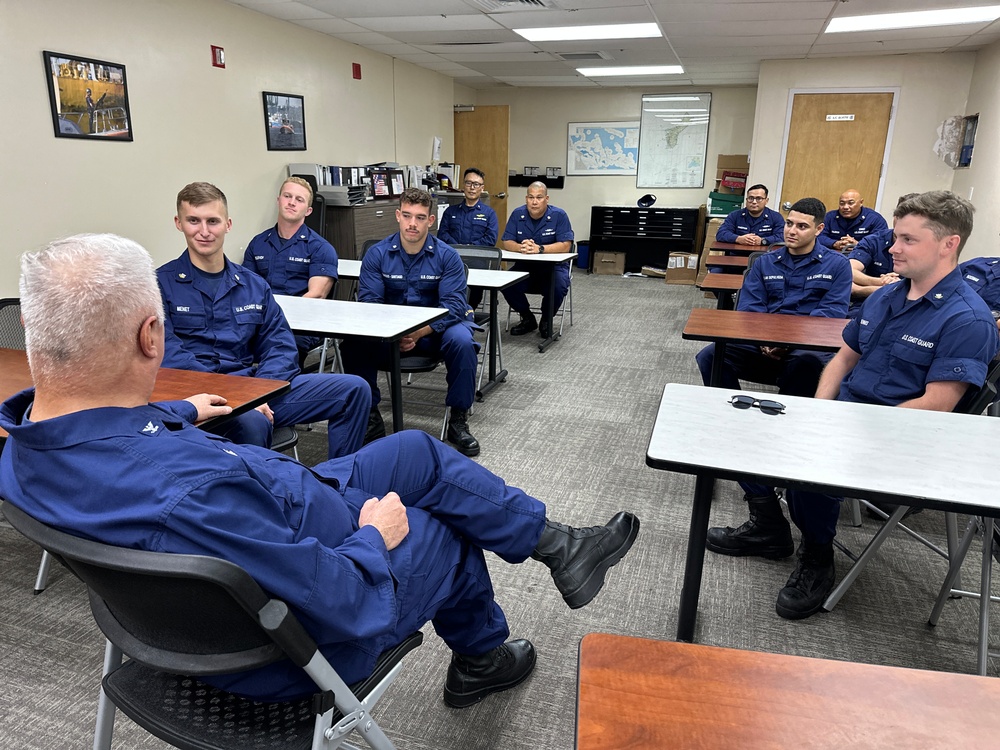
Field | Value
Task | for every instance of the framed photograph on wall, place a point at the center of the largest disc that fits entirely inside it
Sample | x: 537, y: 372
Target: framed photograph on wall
x: 284, y: 122
x: 88, y: 98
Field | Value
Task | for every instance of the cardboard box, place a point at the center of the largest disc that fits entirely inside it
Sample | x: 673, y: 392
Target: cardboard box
x: 723, y: 203
x: 710, y: 230
x: 682, y: 268
x: 737, y: 164
x: 609, y: 264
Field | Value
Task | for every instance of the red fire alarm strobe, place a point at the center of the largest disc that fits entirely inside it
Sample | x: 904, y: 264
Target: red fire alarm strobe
x: 356, y: 71
x: 218, y: 57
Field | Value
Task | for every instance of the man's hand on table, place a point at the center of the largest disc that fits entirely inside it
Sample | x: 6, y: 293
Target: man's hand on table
x: 209, y: 405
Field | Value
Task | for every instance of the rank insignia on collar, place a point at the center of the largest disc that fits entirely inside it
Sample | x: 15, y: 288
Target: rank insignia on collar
x: 182, y: 276
x: 939, y: 296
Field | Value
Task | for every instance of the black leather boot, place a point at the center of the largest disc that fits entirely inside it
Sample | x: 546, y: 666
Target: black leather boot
x: 458, y: 433
x: 580, y: 558
x: 376, y: 426
x: 527, y: 324
x: 765, y: 534
x: 472, y: 678
x: 810, y: 583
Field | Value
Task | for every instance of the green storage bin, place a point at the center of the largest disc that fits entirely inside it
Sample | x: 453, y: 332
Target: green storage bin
x: 723, y: 203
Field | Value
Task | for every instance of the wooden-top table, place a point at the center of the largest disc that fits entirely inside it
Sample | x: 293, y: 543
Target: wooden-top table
x: 340, y: 318
x: 736, y: 262
x: 763, y: 329
x: 650, y: 695
x: 737, y: 249
x: 241, y: 393
x: 552, y: 258
x: 936, y: 458
x: 724, y: 284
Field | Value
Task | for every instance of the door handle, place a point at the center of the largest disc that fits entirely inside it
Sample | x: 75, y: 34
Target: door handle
x: 501, y: 196
x: 787, y: 205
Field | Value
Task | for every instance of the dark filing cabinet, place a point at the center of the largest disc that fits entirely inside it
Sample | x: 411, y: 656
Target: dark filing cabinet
x: 646, y: 236
x: 348, y: 227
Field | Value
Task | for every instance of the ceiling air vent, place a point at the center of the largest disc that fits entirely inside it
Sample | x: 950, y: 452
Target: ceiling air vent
x: 582, y: 56
x: 511, y: 6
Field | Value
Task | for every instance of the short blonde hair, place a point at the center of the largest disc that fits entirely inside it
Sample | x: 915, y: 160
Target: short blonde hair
x: 301, y: 183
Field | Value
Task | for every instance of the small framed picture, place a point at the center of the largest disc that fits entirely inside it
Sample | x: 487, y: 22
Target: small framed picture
x: 88, y: 98
x: 284, y: 122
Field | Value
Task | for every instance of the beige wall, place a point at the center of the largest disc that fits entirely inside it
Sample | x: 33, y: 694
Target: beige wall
x: 932, y: 89
x: 538, y: 133
x: 981, y: 181
x: 191, y: 121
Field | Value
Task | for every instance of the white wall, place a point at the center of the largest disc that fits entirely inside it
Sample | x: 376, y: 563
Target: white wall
x: 538, y: 133
x: 932, y: 89
x: 191, y: 121
x: 982, y: 179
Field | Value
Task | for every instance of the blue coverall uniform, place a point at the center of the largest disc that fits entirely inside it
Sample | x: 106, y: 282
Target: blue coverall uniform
x: 947, y: 335
x: 769, y: 226
x: 819, y: 285
x: 836, y: 227
x: 552, y: 226
x: 470, y: 225
x: 287, y: 266
x: 873, y: 253
x: 242, y: 331
x: 983, y: 275
x: 145, y: 478
x: 434, y: 277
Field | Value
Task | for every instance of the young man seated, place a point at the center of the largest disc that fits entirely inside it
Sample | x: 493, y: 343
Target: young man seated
x: 365, y: 549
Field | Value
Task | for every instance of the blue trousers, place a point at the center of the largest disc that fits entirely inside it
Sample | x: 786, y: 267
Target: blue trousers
x: 343, y: 400
x: 456, y: 509
x: 365, y: 357
x: 538, y: 282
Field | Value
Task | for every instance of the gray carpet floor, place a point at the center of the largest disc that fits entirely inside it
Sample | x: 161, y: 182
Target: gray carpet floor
x: 570, y: 426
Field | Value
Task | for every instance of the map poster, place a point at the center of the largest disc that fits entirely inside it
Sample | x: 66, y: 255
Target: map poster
x: 602, y: 148
x: 673, y: 140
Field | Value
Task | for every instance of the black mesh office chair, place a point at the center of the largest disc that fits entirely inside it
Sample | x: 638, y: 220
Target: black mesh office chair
x: 181, y: 617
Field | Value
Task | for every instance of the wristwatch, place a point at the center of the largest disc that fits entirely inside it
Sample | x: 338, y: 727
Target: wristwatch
x: 541, y: 249
x: 763, y: 241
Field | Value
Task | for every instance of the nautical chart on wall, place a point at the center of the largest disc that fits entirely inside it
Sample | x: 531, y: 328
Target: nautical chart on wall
x: 673, y: 140
x: 602, y: 148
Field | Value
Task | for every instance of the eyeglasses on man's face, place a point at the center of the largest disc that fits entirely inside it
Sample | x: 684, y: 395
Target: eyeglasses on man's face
x: 756, y: 198
x: 743, y: 401
x: 474, y: 185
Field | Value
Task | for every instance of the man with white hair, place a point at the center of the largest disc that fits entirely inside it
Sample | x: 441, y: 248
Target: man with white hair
x: 365, y: 549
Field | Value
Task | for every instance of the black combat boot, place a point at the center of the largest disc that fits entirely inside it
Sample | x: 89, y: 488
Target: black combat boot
x: 765, y: 534
x: 458, y: 433
x: 376, y: 426
x: 579, y: 558
x: 810, y: 583
x: 527, y: 324
x: 472, y: 678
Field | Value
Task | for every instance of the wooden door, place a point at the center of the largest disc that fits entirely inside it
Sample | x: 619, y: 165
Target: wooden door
x: 827, y: 153
x: 482, y: 139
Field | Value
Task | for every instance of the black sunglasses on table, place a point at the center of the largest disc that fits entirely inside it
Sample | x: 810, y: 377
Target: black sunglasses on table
x: 743, y: 401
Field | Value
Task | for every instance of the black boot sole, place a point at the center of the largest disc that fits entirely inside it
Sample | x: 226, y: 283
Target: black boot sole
x: 470, y: 452
x: 768, y: 553
x: 585, y: 594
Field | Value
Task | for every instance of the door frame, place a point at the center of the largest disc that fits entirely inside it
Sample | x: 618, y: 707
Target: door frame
x: 894, y: 90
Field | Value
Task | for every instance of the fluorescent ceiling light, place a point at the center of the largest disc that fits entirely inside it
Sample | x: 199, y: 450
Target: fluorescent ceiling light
x: 632, y: 70
x: 671, y: 99
x: 578, y: 33
x: 914, y: 19
x: 678, y: 109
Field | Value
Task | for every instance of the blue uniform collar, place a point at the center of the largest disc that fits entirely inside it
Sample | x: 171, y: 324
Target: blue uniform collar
x: 396, y: 245
x: 937, y: 296
x: 816, y: 254
x: 273, y: 238
x: 184, y: 272
x: 80, y: 427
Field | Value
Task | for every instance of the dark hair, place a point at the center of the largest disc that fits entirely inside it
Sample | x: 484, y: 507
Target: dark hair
x: 810, y: 206
x: 416, y: 197
x: 944, y: 212
x: 758, y: 186
x: 906, y: 197
x: 474, y: 170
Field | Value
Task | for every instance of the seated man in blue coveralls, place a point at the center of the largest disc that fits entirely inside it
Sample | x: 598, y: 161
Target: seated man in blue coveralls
x: 537, y: 227
x: 919, y: 344
x: 754, y: 225
x: 291, y: 257
x: 471, y: 222
x: 871, y: 263
x: 799, y: 279
x: 365, y: 549
x: 983, y: 275
x: 413, y: 268
x: 223, y: 318
x: 850, y: 223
